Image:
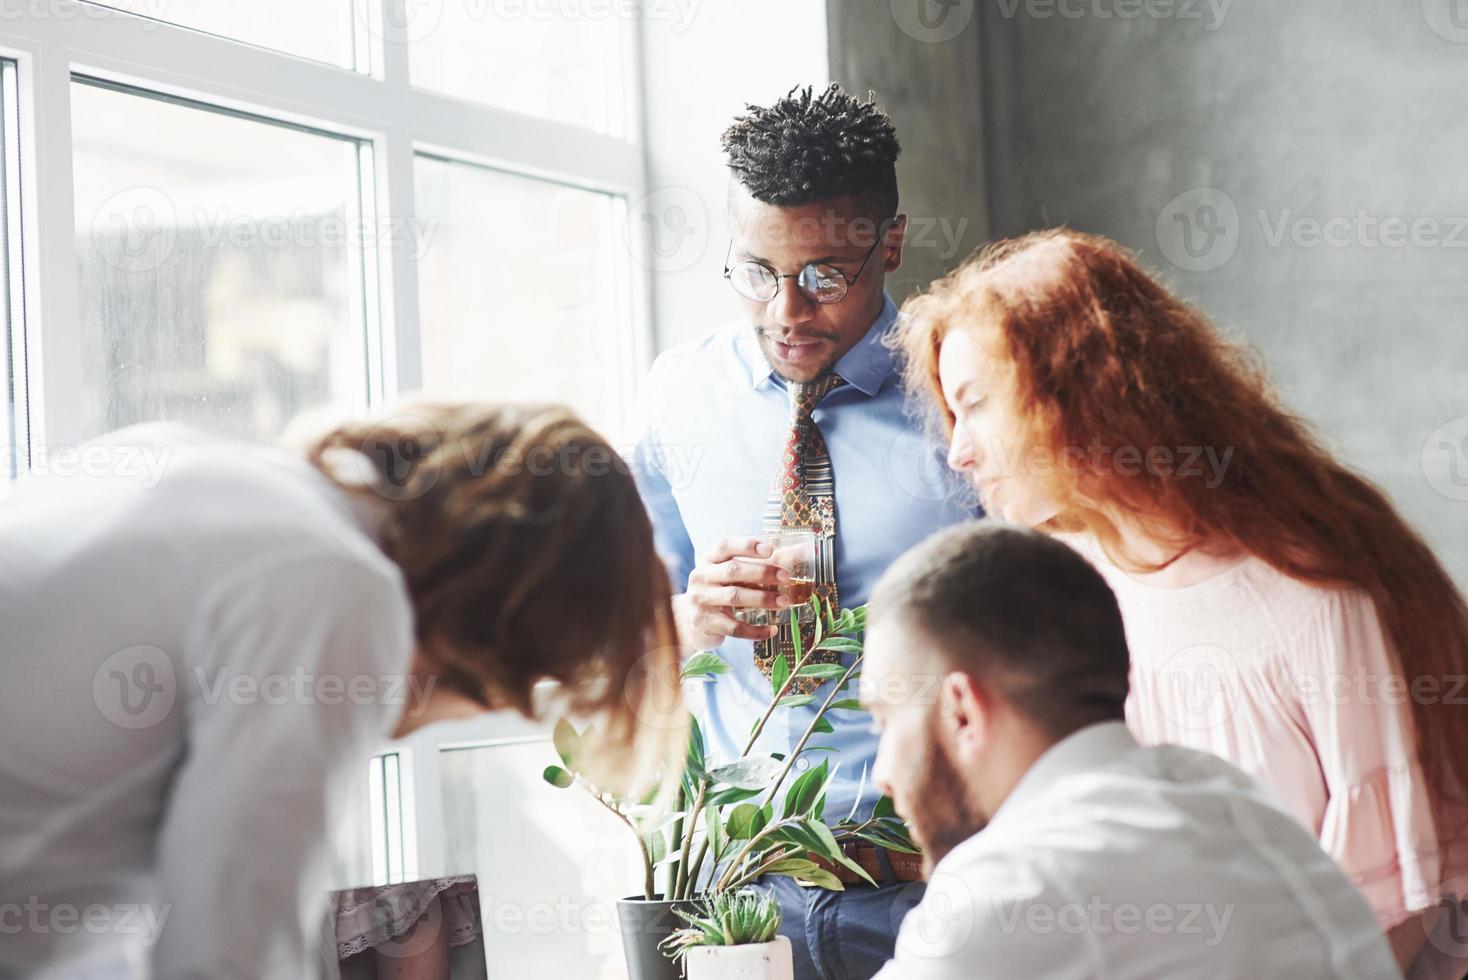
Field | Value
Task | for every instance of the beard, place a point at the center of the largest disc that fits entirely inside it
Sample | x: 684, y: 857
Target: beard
x: 936, y: 806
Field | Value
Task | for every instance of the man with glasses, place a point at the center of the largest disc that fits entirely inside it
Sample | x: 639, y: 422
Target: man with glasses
x: 796, y: 421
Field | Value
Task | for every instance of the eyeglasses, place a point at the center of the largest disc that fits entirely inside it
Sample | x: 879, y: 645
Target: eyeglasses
x: 817, y: 282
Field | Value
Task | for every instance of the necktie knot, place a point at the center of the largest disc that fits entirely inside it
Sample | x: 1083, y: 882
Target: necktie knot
x: 806, y: 395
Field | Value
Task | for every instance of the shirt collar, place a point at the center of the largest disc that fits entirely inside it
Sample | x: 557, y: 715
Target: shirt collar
x: 865, y: 367
x: 1080, y: 751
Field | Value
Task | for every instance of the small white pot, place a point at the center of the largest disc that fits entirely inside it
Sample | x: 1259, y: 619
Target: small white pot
x: 764, y: 961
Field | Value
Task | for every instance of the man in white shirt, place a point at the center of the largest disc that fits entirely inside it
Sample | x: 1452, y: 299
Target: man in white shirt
x: 996, y: 667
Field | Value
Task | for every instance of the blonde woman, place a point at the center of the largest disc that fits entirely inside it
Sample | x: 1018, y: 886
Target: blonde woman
x: 1281, y: 613
x: 202, y: 637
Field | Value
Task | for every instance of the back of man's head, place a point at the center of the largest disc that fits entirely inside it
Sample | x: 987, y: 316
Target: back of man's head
x: 1021, y: 612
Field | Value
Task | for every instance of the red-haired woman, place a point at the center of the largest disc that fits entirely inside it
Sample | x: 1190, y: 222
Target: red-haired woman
x: 1281, y: 613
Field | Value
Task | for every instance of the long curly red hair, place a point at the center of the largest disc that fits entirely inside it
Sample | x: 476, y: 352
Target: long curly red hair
x: 1098, y: 352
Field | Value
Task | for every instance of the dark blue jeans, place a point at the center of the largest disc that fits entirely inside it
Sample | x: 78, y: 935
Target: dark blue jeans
x: 841, y: 935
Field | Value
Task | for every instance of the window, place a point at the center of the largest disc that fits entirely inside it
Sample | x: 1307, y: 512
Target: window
x: 519, y: 289
x: 550, y: 862
x: 323, y: 30
x: 237, y: 212
x: 12, y: 334
x: 218, y: 266
x: 555, y: 61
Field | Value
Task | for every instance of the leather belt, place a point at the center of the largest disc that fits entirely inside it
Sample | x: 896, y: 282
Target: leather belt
x: 876, y: 861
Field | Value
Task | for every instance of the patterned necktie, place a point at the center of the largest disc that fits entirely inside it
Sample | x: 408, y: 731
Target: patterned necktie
x: 803, y: 497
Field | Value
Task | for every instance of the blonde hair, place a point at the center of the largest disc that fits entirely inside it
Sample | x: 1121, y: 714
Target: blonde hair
x: 529, y: 557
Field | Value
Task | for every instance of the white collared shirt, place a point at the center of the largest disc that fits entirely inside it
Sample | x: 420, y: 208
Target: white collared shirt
x: 198, y: 639
x: 1118, y: 861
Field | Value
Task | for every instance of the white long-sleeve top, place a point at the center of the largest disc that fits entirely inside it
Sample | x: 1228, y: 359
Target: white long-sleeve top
x: 197, y: 639
x: 1110, y: 860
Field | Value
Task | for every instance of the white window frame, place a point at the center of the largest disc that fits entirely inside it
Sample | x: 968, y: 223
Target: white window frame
x: 379, y: 107
x: 396, y: 121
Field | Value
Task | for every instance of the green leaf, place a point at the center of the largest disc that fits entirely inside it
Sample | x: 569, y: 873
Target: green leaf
x: 795, y: 700
x: 793, y: 867
x: 821, y: 878
x: 842, y: 644
x: 779, y: 673
x: 847, y: 704
x: 823, y: 726
x: 825, y: 672
x: 705, y: 664
x: 744, y: 821
x: 884, y: 807
x: 558, y: 777
x: 804, y: 791
x: 657, y: 846
x: 731, y: 795
x: 755, y: 773
x: 567, y: 743
x: 832, y: 850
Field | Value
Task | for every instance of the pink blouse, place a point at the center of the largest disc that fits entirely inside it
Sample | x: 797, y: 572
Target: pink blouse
x: 1295, y: 684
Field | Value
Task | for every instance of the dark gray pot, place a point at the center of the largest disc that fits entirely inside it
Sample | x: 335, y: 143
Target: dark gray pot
x: 645, y: 924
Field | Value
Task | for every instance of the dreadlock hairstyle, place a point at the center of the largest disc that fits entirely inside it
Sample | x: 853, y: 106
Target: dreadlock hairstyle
x: 807, y: 148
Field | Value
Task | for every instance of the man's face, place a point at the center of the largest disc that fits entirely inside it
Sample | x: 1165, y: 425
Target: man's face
x: 803, y: 339
x: 902, y: 682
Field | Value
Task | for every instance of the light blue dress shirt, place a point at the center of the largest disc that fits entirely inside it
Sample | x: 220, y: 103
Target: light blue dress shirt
x: 714, y: 421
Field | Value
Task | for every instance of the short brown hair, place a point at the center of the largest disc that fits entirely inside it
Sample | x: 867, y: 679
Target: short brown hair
x: 527, y: 553
x: 1021, y: 610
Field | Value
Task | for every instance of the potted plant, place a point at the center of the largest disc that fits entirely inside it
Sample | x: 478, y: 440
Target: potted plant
x: 733, y: 936
x: 728, y: 825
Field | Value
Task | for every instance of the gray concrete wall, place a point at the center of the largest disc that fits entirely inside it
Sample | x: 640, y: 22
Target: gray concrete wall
x: 929, y: 82
x: 1298, y: 169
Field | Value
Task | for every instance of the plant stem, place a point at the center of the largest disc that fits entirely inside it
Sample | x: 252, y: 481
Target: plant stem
x: 760, y: 869
x: 649, y: 884
x: 810, y: 730
x: 680, y: 885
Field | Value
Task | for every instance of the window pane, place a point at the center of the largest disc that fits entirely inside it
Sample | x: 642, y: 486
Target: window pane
x: 552, y: 60
x: 519, y: 290
x: 551, y: 862
x: 220, y: 267
x: 12, y: 355
x: 317, y: 29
